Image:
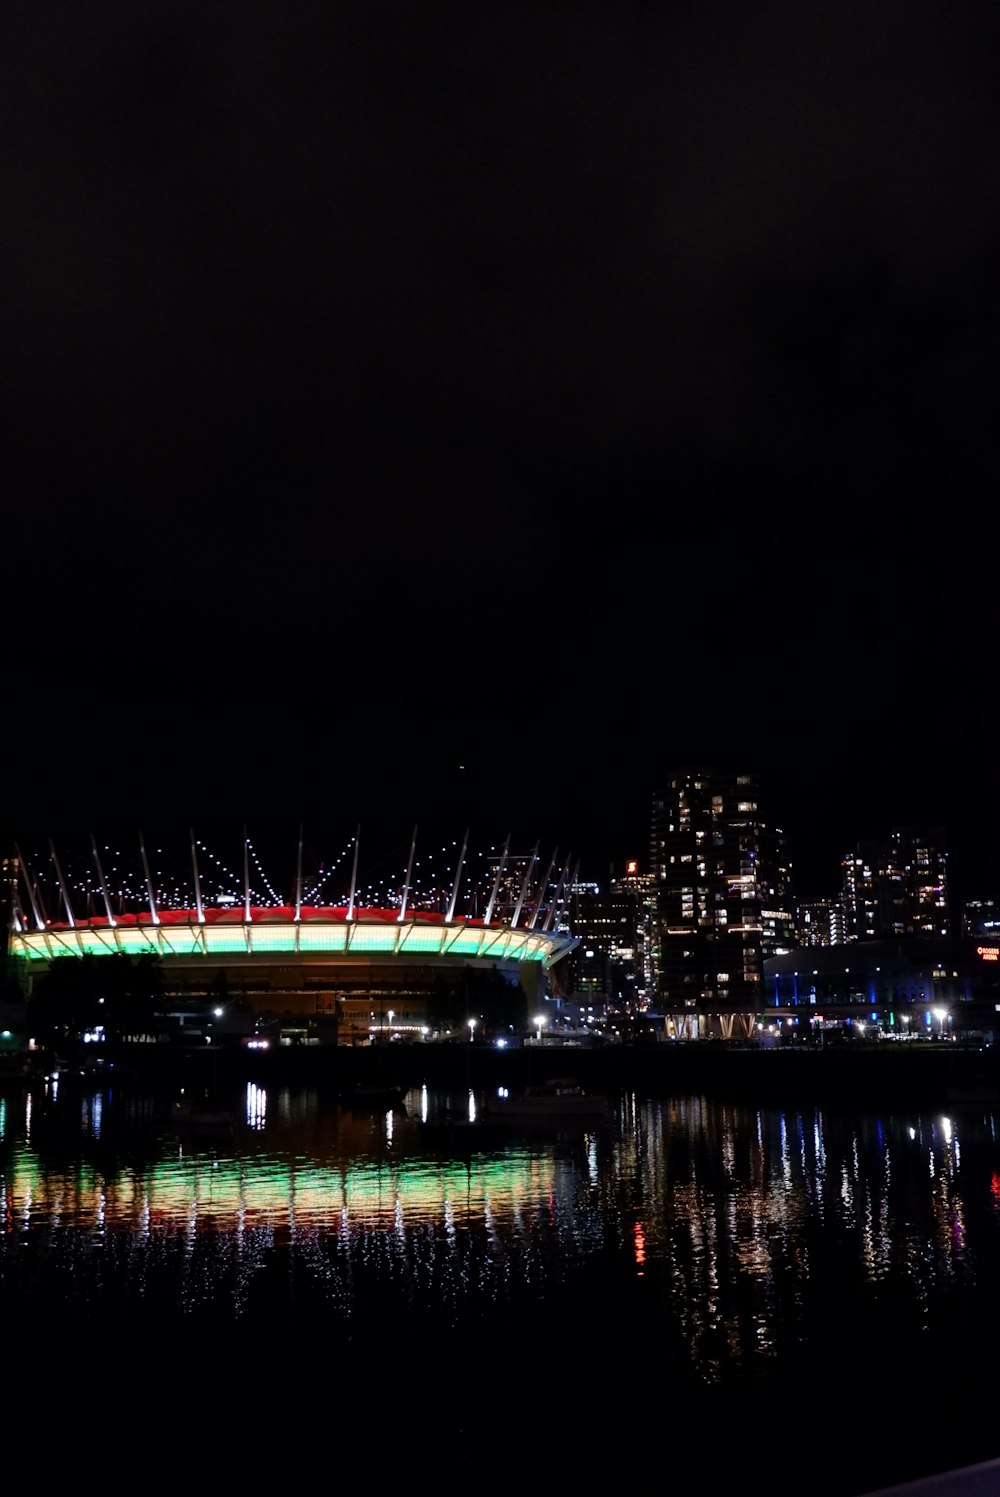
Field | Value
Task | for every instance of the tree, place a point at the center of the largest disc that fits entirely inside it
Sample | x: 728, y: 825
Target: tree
x: 80, y: 994
x: 64, y: 1003
x: 484, y: 995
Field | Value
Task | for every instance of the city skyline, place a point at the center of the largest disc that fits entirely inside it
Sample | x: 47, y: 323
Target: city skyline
x: 595, y: 853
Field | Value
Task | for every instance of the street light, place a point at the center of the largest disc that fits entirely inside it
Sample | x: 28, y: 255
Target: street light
x: 941, y: 1014
x: 472, y: 1030
x: 391, y: 1012
x: 540, y: 1020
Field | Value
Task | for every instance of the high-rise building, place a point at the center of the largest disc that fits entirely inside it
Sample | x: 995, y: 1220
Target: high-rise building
x: 820, y: 922
x: 635, y: 895
x: 981, y: 917
x: 899, y: 888
x: 612, y: 928
x: 723, y: 893
x: 590, y: 918
x: 918, y: 869
x: 860, y: 871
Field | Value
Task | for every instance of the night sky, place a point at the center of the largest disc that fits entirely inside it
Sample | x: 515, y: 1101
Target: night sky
x: 419, y: 415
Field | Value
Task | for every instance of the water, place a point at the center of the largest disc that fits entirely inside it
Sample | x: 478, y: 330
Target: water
x: 804, y: 1296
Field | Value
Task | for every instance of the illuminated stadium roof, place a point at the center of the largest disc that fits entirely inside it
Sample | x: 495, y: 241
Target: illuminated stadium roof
x: 110, y: 903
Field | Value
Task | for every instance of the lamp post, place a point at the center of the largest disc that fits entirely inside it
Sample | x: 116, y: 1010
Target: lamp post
x: 391, y: 1012
x: 472, y: 1030
x: 539, y: 1020
x: 941, y: 1014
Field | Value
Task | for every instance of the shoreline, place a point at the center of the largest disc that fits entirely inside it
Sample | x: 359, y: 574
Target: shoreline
x: 881, y: 1073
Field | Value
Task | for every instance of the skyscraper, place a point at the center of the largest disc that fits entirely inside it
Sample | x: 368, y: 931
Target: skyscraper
x: 899, y: 889
x: 612, y: 961
x: 635, y: 892
x: 723, y: 894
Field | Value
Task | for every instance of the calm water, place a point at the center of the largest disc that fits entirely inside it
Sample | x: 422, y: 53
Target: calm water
x: 807, y: 1296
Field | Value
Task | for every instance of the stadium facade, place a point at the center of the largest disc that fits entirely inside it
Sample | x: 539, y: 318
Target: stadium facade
x: 381, y: 949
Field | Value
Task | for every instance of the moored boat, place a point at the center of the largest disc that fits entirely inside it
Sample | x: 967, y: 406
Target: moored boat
x: 973, y: 1095
x: 560, y: 1097
x: 191, y: 1117
x: 374, y: 1095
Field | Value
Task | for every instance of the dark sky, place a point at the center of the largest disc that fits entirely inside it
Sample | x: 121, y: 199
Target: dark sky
x: 565, y: 393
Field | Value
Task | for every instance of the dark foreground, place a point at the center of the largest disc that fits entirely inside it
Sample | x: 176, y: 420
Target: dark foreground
x: 785, y: 1274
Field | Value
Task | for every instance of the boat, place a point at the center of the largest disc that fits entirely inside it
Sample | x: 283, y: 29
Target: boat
x: 557, y: 1099
x: 374, y: 1096
x: 973, y: 1095
x: 189, y: 1118
x: 972, y: 1085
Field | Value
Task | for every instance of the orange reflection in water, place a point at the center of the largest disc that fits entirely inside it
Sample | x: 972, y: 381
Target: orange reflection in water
x: 639, y: 1239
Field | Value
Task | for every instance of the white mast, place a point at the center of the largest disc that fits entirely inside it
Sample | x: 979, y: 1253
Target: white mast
x: 197, y: 881
x: 556, y: 898
x: 149, y: 882
x: 104, y: 882
x: 354, y: 874
x: 409, y: 872
x: 524, y: 888
x: 496, y: 881
x: 246, y: 878
x: 298, y: 879
x: 542, y: 888
x: 62, y: 885
x: 458, y: 878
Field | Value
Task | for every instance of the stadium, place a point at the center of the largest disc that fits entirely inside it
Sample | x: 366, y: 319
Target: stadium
x: 347, y: 953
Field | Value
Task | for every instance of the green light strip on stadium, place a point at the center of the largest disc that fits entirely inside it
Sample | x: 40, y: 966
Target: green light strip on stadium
x: 260, y: 938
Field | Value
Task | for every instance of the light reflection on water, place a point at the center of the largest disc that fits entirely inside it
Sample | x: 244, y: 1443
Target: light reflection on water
x: 728, y: 1242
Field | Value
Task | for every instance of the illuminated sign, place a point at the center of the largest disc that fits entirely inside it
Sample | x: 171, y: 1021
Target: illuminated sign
x: 989, y: 953
x: 632, y: 867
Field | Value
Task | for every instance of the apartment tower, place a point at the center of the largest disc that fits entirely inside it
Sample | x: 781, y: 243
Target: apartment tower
x: 723, y: 899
